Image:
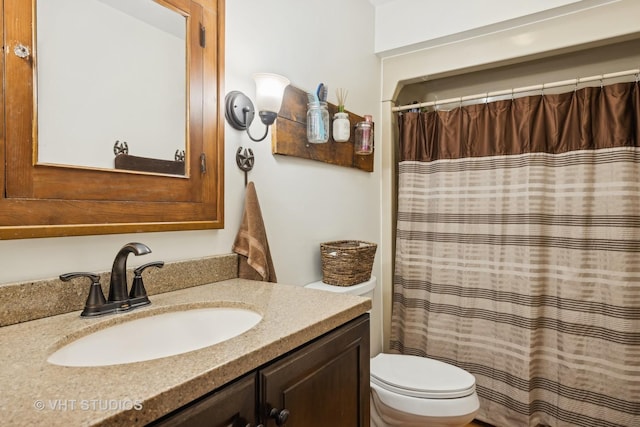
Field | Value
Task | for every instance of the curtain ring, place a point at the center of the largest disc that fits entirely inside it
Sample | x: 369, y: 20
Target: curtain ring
x: 575, y: 87
x: 460, y: 104
x: 435, y: 104
x: 513, y: 96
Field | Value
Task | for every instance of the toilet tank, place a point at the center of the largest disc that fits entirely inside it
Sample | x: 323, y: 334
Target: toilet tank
x: 364, y: 289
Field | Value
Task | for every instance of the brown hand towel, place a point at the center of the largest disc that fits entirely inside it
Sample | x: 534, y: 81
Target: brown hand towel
x: 251, y: 242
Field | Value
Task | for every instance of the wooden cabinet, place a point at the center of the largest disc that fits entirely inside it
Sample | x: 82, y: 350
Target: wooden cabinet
x: 232, y: 406
x: 323, y: 383
x: 42, y: 199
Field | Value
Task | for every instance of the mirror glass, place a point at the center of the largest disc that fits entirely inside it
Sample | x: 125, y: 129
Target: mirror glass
x: 117, y: 76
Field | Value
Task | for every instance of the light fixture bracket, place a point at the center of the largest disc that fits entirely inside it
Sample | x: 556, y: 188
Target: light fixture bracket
x: 239, y: 110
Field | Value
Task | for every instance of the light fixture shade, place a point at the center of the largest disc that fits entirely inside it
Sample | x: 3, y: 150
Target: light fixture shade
x: 269, y: 91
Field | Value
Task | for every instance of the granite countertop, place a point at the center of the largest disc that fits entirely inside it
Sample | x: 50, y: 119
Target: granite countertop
x: 35, y: 392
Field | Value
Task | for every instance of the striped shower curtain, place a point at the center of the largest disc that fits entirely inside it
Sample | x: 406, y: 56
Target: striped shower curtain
x: 518, y: 253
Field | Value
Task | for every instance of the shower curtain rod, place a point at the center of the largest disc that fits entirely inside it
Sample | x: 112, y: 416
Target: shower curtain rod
x: 541, y: 87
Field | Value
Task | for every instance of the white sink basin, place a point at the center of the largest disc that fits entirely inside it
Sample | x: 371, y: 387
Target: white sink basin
x: 156, y: 336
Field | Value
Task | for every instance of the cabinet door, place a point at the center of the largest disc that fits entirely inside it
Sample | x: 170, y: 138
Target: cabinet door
x: 326, y: 383
x: 231, y: 406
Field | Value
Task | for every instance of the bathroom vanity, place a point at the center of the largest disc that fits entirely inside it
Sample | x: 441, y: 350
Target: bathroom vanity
x: 306, y: 362
x: 324, y: 383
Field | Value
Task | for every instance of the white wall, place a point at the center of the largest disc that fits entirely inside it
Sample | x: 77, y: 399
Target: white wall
x: 303, y: 202
x: 403, y: 25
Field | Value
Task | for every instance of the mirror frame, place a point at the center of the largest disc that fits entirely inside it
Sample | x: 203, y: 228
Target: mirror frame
x: 40, y: 200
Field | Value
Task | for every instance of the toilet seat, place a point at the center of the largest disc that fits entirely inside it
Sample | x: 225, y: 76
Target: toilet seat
x: 421, y: 377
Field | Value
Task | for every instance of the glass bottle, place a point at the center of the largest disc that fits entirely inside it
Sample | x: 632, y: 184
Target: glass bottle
x: 364, y: 137
x: 317, y: 122
x: 341, y: 127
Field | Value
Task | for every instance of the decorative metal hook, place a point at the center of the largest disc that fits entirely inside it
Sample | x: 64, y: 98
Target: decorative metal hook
x: 120, y: 148
x: 245, y: 161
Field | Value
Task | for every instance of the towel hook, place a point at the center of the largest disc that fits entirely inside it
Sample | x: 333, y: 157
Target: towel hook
x: 245, y: 160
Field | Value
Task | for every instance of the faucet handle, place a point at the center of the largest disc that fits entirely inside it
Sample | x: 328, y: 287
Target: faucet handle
x: 95, y: 300
x: 138, y: 271
x: 137, y: 288
x: 68, y: 276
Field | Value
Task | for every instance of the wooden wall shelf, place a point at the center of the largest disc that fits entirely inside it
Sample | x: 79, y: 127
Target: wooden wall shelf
x: 289, y: 135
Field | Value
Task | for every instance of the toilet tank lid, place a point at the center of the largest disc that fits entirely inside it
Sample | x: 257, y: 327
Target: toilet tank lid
x: 421, y: 376
x: 357, y: 289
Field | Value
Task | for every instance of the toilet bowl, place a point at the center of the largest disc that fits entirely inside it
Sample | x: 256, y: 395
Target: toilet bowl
x: 412, y: 391
x: 418, y: 391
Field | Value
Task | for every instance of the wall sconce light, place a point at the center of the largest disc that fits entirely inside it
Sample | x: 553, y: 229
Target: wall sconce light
x: 239, y: 110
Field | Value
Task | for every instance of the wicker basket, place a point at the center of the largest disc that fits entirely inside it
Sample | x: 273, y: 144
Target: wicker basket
x: 347, y: 262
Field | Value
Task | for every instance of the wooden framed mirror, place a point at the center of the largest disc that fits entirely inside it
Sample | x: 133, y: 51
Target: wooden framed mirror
x: 45, y: 199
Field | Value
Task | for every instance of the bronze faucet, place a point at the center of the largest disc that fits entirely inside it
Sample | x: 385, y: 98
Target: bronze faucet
x: 118, y: 285
x: 119, y: 299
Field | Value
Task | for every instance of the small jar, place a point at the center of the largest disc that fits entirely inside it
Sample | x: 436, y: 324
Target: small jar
x: 341, y: 127
x: 364, y: 137
x: 317, y: 122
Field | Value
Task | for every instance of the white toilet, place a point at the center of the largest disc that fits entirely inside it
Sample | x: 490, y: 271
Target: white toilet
x: 412, y: 391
